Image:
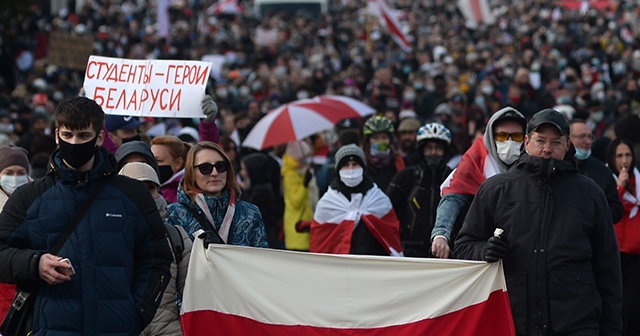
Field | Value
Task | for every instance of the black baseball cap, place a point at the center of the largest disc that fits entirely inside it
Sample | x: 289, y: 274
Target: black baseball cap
x: 549, y: 116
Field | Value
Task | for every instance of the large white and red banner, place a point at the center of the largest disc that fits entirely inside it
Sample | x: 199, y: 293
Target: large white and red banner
x: 233, y: 290
x: 156, y: 88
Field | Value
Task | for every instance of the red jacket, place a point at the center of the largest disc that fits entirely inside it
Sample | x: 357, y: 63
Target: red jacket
x: 628, y: 228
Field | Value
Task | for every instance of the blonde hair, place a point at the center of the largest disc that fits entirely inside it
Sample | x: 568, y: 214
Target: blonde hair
x: 189, y: 181
x: 177, y: 148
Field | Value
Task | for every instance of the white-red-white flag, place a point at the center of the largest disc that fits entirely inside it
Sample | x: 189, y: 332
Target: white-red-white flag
x: 233, y: 290
x: 336, y: 217
x: 388, y: 17
x: 476, y: 12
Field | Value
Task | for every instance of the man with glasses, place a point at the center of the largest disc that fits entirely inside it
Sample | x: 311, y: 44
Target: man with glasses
x: 582, y: 138
x: 494, y: 153
x: 552, y: 228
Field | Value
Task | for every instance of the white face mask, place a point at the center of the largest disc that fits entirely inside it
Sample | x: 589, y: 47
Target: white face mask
x: 11, y: 183
x: 351, y: 177
x: 508, y: 151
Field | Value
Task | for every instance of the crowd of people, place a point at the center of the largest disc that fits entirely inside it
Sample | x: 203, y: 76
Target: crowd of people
x: 543, y: 106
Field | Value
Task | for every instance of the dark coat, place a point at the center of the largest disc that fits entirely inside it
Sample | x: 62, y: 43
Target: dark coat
x: 601, y: 175
x: 415, y: 194
x: 563, y: 269
x: 119, y: 250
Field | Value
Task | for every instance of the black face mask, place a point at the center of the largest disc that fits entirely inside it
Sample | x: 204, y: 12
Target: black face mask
x: 76, y: 155
x: 165, y: 173
x: 433, y: 161
x: 133, y: 138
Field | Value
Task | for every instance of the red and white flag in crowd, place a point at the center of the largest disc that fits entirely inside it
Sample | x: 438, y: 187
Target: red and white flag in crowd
x: 476, y: 12
x: 389, y: 18
x: 225, y: 7
x: 233, y: 290
x: 476, y: 167
x: 335, y: 218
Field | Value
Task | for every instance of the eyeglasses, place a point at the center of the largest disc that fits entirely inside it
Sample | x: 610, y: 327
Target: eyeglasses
x: 555, y: 144
x: 206, y: 168
x: 503, y: 136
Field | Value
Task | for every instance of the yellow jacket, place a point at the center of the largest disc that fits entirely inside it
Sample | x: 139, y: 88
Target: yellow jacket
x: 296, y: 204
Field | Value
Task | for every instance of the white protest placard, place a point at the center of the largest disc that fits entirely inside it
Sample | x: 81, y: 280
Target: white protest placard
x: 155, y: 88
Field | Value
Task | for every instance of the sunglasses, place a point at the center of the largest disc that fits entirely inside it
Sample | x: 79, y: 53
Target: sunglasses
x: 206, y: 168
x: 502, y: 136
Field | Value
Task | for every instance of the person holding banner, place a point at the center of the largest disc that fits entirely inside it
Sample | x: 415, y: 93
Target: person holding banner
x: 552, y: 228
x: 208, y: 199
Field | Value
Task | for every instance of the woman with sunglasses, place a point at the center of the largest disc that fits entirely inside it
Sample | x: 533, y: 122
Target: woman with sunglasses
x: 208, y: 199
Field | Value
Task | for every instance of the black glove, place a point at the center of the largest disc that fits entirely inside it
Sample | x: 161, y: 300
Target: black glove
x: 497, y: 248
x: 307, y: 178
x: 210, y: 237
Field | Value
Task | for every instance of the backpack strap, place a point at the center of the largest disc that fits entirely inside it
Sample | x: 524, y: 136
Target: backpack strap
x: 175, y: 238
x: 206, y: 225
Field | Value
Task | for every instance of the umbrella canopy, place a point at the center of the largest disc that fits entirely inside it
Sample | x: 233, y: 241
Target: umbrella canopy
x: 302, y: 118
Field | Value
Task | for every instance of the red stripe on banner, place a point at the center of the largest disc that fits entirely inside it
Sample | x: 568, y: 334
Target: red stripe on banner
x: 488, y: 318
x: 476, y: 9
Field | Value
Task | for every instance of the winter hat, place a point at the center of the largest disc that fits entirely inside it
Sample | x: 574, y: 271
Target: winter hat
x: 140, y: 171
x: 348, y: 153
x: 13, y: 156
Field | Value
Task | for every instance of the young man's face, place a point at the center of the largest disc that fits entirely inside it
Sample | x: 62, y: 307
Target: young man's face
x: 79, y: 136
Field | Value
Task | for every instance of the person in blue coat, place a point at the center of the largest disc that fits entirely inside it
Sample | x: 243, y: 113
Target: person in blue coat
x: 209, y: 199
x: 118, y: 250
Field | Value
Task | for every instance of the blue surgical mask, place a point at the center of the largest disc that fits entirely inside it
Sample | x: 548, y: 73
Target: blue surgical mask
x: 11, y: 183
x: 582, y: 154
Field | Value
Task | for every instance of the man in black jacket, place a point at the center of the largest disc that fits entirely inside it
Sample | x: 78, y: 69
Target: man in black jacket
x: 582, y: 138
x: 118, y: 249
x: 559, y: 248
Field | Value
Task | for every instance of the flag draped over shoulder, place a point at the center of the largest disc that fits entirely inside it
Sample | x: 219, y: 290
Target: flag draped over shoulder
x: 234, y: 290
x: 475, y: 167
x: 335, y: 218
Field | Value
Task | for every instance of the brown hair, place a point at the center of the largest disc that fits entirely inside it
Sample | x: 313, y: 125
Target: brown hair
x: 177, y: 147
x: 189, y: 181
x: 79, y: 112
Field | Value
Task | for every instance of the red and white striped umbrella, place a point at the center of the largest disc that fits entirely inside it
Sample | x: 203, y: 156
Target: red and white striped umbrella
x: 302, y: 118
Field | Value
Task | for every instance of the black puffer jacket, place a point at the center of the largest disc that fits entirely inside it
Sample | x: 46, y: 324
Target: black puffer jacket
x: 415, y: 194
x: 119, y: 250
x: 563, y: 269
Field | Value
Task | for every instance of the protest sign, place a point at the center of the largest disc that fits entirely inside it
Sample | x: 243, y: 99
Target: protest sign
x: 156, y: 88
x: 69, y: 51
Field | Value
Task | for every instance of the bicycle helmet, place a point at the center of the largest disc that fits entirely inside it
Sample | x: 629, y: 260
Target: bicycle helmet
x: 377, y: 124
x: 433, y: 131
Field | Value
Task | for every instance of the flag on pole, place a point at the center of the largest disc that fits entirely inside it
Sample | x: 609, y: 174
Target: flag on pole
x: 163, y: 18
x: 234, y: 290
x: 476, y: 12
x: 389, y: 18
